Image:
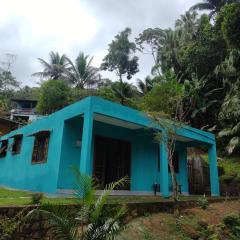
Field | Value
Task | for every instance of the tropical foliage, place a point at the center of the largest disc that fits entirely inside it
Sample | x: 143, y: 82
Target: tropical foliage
x: 214, y: 6
x: 93, y: 221
x: 121, y: 57
x: 199, y: 53
x: 55, y: 68
x: 54, y: 95
x: 81, y: 74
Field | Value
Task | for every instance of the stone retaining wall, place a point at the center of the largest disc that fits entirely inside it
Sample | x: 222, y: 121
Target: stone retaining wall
x: 140, y: 208
x: 40, y: 227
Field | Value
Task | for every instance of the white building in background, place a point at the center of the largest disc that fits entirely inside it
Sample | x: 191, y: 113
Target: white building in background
x: 23, y: 110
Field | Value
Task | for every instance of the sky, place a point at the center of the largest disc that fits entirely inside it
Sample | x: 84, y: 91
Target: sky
x: 30, y: 29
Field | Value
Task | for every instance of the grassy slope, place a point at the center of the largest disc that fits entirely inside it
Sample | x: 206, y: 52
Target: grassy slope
x: 164, y: 226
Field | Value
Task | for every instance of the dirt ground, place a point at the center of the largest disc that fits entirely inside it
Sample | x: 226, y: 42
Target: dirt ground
x: 216, y: 211
x: 165, y: 226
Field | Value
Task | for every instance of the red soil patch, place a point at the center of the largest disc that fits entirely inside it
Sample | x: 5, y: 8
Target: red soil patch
x: 215, y: 212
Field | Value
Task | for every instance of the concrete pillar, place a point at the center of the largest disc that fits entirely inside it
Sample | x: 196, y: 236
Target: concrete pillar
x: 164, y: 188
x: 214, y: 181
x: 183, y: 170
x: 86, y: 161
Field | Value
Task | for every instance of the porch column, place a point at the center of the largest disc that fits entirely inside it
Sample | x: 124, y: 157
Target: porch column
x: 164, y: 170
x: 214, y: 181
x: 183, y: 170
x: 86, y: 150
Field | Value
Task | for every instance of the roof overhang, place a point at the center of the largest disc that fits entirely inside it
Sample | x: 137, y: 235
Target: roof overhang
x: 116, y: 122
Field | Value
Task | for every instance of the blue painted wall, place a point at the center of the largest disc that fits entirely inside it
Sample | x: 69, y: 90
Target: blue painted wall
x: 70, y: 152
x: 17, y: 171
x: 67, y: 126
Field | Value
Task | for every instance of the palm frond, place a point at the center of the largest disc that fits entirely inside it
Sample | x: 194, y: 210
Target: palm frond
x: 202, y: 6
x: 233, y: 143
x: 84, y: 184
x: 101, y: 201
x: 225, y: 132
x: 61, y: 227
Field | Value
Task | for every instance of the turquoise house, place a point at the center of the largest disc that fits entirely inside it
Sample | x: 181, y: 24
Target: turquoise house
x: 103, y: 139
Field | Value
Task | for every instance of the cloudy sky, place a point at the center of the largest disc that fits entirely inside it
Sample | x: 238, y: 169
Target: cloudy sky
x: 32, y: 28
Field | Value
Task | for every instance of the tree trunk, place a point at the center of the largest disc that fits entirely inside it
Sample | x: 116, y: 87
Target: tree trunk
x: 176, y: 205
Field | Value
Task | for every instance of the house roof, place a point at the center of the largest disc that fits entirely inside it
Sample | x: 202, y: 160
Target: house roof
x: 107, y: 111
x: 8, y: 121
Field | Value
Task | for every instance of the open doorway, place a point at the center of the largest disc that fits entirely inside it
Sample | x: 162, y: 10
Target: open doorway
x: 112, y: 160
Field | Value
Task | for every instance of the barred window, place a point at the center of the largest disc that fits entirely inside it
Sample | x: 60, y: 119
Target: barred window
x: 40, y: 149
x: 3, y: 148
x: 17, y: 143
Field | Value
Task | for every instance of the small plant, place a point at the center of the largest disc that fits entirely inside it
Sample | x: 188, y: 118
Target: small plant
x: 147, y: 235
x: 203, y: 202
x: 232, y: 222
x: 212, y: 232
x: 36, y: 198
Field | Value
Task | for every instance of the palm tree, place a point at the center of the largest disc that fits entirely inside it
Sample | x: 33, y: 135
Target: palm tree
x: 81, y: 73
x: 213, y: 6
x: 123, y: 91
x: 229, y: 118
x: 55, y: 68
x: 168, y: 52
x: 187, y: 26
x: 92, y: 222
x: 145, y: 86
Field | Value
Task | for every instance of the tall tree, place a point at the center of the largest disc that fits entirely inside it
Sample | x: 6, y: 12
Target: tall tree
x: 229, y: 120
x: 228, y: 21
x: 7, y: 80
x: 169, y: 51
x: 55, y: 68
x: 54, y: 95
x: 214, y: 6
x: 81, y: 74
x: 149, y: 41
x: 121, y: 56
x: 187, y: 26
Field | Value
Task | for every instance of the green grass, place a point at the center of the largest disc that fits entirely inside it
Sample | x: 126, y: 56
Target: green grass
x: 9, y: 197
x: 14, y: 201
x: 9, y: 193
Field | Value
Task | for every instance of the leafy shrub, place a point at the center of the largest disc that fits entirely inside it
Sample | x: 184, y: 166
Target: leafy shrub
x: 227, y: 178
x: 36, y: 198
x: 212, y: 232
x: 203, y: 202
x: 232, y: 222
x: 7, y: 228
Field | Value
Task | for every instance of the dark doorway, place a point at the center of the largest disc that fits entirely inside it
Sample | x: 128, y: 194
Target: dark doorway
x: 112, y: 159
